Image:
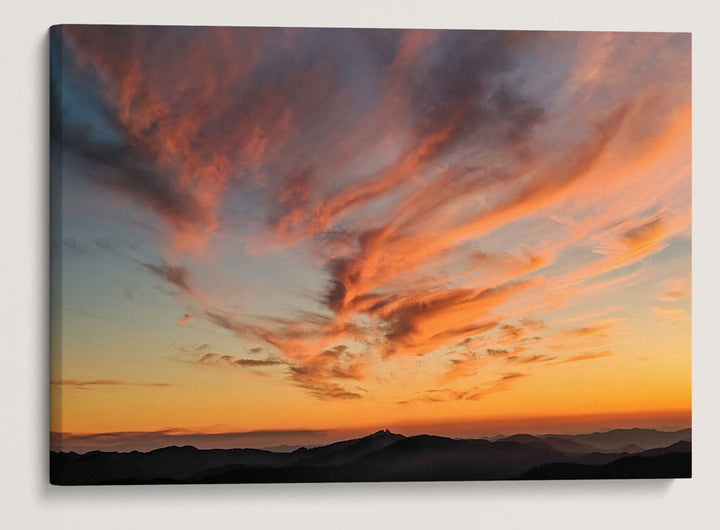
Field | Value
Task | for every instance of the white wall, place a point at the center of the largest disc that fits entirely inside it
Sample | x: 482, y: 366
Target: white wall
x: 27, y: 501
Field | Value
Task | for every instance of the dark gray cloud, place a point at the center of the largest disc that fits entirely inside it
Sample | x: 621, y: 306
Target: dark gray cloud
x: 176, y: 275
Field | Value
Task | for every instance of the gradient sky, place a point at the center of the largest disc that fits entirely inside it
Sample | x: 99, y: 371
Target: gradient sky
x: 296, y: 232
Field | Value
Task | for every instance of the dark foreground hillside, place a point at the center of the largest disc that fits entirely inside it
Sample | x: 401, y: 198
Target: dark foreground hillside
x: 672, y: 465
x: 385, y: 456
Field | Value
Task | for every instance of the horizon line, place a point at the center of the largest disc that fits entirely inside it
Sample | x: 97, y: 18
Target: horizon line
x: 490, y: 438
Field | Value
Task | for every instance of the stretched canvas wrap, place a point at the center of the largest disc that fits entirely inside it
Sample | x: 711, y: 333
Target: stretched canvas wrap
x: 310, y: 255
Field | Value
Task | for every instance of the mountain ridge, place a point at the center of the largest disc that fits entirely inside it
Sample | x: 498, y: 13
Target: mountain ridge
x: 380, y: 456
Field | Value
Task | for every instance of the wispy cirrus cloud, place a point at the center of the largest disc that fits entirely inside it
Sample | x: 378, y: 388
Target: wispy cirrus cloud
x: 160, y: 117
x: 454, y: 192
x: 593, y: 328
x: 675, y: 289
x: 200, y: 355
x: 176, y: 275
x: 185, y: 319
x: 442, y: 395
x: 668, y: 314
x: 92, y: 383
x: 585, y: 357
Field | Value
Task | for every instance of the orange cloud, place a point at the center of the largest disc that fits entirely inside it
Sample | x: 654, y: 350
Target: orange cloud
x: 186, y: 318
x: 503, y: 383
x: 670, y: 314
x: 674, y: 289
x: 585, y: 357
x: 175, y: 124
x: 387, y: 253
x: 419, y: 324
x: 595, y: 328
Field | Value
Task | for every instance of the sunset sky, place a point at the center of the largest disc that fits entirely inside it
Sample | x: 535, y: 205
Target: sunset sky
x: 288, y: 236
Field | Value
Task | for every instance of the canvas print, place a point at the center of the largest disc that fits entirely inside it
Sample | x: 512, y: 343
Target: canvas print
x: 362, y: 255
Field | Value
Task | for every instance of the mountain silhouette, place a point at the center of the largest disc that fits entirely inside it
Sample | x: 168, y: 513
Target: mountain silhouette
x: 616, y: 440
x: 170, y: 463
x: 566, y: 445
x: 674, y: 461
x: 386, y: 456
x: 347, y: 451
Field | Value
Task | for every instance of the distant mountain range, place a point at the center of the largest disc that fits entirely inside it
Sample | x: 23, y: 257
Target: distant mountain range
x: 386, y: 456
x: 616, y: 441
